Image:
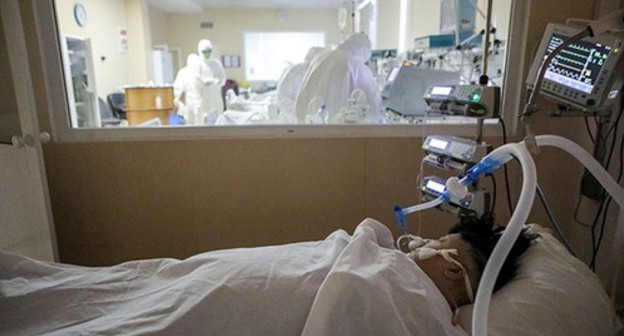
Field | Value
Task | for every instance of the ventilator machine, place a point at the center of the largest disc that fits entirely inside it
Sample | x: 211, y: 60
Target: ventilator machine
x: 580, y: 68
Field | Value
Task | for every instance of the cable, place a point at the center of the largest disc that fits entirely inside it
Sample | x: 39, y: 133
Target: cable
x: 619, y: 179
x: 552, y: 219
x: 589, y: 132
x: 580, y: 196
x: 493, y: 206
x: 606, y: 202
x: 592, y: 264
x: 509, y: 205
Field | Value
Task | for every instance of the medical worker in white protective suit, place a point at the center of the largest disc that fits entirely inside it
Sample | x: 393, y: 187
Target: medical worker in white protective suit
x: 212, y: 76
x: 332, y: 77
x: 184, y: 98
x: 290, y: 84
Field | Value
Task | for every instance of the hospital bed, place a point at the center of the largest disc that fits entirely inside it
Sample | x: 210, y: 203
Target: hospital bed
x: 356, y: 284
x: 257, y: 109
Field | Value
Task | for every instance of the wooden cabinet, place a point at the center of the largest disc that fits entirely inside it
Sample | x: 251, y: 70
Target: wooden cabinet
x: 144, y: 103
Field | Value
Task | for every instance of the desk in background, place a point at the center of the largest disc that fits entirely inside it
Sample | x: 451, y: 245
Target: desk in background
x: 144, y: 103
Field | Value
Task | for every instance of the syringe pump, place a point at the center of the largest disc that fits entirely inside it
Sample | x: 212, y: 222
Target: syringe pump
x: 456, y: 148
x: 475, y: 200
x: 463, y: 100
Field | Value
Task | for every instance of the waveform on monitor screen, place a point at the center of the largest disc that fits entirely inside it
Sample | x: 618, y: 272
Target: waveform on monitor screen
x: 564, y: 72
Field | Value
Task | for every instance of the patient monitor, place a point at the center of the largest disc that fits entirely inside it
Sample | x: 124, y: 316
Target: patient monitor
x: 585, y: 76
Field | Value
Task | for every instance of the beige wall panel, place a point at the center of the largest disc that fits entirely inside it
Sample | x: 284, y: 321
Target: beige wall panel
x: 178, y: 198
x: 227, y: 35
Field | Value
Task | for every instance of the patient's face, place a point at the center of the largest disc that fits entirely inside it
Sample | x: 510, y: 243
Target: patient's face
x: 435, y: 266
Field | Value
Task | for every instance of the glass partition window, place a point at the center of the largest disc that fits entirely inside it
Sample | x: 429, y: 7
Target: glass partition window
x: 140, y: 63
x: 267, y: 58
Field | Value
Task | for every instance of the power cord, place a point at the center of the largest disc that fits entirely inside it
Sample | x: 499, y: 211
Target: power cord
x: 552, y: 219
x: 509, y: 205
x: 606, y: 201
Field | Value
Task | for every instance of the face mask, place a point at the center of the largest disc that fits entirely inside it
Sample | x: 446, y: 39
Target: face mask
x: 423, y: 253
x: 207, y: 54
x: 408, y: 242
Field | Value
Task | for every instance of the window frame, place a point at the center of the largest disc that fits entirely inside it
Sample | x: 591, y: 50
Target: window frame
x: 49, y: 48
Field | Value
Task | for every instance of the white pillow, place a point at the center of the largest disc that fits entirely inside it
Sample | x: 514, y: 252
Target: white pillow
x: 553, y: 293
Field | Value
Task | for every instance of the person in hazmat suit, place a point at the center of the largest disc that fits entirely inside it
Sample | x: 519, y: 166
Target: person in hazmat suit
x: 212, y: 78
x: 333, y: 76
x: 290, y: 84
x: 182, y: 85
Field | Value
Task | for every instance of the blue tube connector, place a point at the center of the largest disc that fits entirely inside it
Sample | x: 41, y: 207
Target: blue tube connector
x: 485, y: 166
x: 400, y: 217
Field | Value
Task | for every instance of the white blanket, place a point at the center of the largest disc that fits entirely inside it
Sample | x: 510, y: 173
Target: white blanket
x: 343, y: 285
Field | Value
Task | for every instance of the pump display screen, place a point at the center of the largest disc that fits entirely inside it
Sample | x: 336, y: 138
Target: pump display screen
x: 439, y: 144
x: 435, y: 186
x: 578, y: 65
x: 441, y: 90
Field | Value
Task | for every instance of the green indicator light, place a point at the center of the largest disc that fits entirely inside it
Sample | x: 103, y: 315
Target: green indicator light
x: 475, y: 98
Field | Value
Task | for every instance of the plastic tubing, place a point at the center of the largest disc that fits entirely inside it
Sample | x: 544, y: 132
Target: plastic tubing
x: 509, y: 236
x: 605, y: 179
x: 422, y: 206
x: 527, y: 194
x: 607, y: 182
x: 400, y: 213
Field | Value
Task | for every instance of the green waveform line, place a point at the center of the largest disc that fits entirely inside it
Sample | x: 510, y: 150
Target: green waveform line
x: 564, y: 51
x: 580, y: 48
x: 569, y: 60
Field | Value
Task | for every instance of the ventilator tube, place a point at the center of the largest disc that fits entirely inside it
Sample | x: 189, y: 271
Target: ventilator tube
x: 608, y: 183
x: 400, y: 213
x: 512, y: 231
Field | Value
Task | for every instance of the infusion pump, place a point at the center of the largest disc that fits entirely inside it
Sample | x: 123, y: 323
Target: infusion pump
x: 463, y: 100
x: 586, y: 75
x: 476, y: 200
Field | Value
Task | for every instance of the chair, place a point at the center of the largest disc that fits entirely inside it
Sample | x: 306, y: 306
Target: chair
x: 229, y: 84
x: 108, y: 119
x: 117, y: 102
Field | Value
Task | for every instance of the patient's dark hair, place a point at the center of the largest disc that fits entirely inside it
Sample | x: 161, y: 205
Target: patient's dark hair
x: 482, y: 236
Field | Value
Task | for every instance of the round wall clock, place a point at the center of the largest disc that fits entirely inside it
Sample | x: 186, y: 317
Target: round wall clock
x: 80, y: 14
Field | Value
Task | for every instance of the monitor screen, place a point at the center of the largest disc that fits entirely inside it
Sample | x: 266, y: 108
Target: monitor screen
x: 578, y: 65
x: 393, y: 73
x: 441, y: 90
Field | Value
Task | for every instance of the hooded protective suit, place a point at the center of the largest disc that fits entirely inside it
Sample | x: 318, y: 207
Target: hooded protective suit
x: 290, y: 84
x: 212, y: 76
x: 183, y: 84
x: 332, y: 77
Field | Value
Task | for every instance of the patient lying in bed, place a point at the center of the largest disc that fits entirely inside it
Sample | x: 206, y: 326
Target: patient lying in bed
x: 343, y: 285
x: 456, y: 261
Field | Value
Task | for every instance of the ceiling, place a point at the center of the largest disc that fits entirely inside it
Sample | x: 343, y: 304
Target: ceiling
x: 195, y: 6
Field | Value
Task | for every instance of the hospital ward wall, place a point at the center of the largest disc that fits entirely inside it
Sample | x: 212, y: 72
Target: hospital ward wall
x: 147, y: 27
x: 113, y: 67
x: 184, y: 30
x: 114, y: 201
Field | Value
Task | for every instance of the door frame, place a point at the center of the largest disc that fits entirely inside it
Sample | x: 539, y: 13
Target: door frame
x: 20, y: 64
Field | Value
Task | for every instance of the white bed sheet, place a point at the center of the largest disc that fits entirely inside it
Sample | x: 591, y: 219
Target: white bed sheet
x: 338, y: 286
